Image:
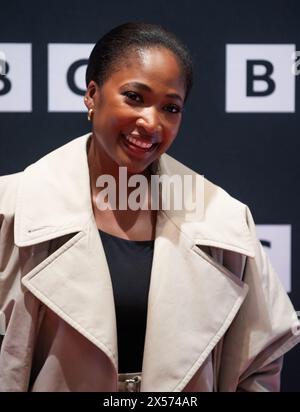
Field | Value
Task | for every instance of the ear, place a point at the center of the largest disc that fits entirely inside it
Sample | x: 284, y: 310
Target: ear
x: 89, y: 97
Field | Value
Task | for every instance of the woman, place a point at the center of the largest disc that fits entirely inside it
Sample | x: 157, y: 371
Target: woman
x: 123, y: 299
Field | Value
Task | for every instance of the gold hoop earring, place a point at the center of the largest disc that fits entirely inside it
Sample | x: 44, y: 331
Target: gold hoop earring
x: 90, y: 115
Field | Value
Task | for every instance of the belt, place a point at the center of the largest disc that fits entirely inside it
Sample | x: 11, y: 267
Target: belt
x: 129, y: 382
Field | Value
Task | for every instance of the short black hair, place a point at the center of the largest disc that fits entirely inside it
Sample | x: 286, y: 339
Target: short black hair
x: 111, y: 50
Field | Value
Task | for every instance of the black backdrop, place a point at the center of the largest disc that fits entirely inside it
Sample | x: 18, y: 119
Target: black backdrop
x: 254, y: 156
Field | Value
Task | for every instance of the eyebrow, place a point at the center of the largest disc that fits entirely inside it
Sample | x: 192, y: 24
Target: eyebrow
x: 143, y: 86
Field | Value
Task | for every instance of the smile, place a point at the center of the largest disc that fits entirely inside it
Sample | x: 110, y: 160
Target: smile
x: 138, y: 145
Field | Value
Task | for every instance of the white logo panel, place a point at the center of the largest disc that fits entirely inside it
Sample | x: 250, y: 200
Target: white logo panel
x: 276, y: 240
x: 66, y: 76
x: 259, y: 78
x: 15, y: 77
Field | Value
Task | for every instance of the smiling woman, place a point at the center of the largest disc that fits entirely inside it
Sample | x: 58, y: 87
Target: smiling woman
x: 138, y: 79
x: 137, y: 111
x: 126, y: 299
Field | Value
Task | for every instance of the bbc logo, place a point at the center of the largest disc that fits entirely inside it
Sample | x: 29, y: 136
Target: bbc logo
x: 259, y: 77
x: 66, y: 77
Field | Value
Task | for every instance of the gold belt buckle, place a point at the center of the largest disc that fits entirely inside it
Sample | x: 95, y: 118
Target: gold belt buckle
x: 133, y: 384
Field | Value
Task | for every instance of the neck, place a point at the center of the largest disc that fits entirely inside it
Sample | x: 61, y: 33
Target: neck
x: 100, y: 163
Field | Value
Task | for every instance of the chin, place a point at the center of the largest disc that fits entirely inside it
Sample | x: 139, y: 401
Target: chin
x: 136, y: 169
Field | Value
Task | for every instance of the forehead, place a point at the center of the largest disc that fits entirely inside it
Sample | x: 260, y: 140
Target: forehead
x: 157, y: 67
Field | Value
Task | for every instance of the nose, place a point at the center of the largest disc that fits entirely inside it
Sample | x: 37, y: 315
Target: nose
x: 149, y: 121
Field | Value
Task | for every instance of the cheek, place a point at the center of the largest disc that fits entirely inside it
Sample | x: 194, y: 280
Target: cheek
x: 172, y: 131
x: 121, y: 118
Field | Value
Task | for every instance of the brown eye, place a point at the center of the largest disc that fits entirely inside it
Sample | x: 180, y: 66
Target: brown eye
x: 133, y: 96
x: 172, y: 108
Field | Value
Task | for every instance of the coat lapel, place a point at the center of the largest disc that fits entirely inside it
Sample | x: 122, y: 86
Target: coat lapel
x: 191, y: 304
x: 74, y: 282
x: 192, y: 299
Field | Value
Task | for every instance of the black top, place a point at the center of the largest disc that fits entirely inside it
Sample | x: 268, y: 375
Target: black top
x: 130, y: 263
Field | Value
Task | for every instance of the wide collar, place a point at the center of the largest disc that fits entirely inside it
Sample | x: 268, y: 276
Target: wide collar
x: 192, y: 299
x: 54, y: 199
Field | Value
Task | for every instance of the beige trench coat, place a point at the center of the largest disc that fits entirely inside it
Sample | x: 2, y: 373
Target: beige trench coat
x: 218, y: 317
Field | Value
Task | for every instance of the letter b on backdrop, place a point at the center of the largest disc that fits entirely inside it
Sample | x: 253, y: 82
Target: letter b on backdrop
x: 15, y: 77
x: 259, y: 78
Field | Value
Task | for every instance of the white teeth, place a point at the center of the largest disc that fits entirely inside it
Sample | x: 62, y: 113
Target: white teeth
x: 138, y: 143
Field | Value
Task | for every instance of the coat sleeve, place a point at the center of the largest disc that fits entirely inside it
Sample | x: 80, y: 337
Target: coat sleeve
x: 265, y: 328
x: 18, y: 309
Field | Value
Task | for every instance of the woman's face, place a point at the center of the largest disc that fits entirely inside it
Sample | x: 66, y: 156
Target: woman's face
x: 137, y: 111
